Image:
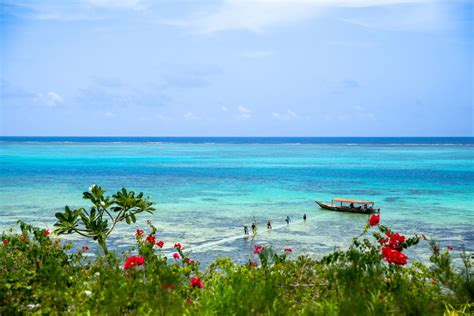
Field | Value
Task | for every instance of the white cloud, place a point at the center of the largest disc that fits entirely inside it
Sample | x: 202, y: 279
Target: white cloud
x: 287, y: 116
x: 118, y: 4
x: 257, y: 54
x: 243, y: 109
x: 259, y: 15
x: 224, y: 108
x: 50, y: 99
x: 165, y: 118
x: 244, y: 113
x: 190, y: 116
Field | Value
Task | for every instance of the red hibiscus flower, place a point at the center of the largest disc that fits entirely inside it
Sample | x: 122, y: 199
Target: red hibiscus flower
x: 396, y: 240
x: 160, y: 244
x: 5, y: 242
x: 178, y: 246
x: 449, y: 248
x: 258, y: 250
x: 196, y: 282
x: 46, y: 232
x: 374, y: 220
x: 287, y: 250
x: 85, y: 248
x: 394, y: 256
x: 189, y: 261
x: 133, y: 261
x: 139, y: 232
x: 23, y: 238
x: 150, y: 239
x: 176, y: 256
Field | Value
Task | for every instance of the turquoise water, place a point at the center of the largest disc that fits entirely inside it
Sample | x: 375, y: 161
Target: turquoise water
x: 205, y: 191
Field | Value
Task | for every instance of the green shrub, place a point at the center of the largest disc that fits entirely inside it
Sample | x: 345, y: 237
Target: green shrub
x: 40, y: 274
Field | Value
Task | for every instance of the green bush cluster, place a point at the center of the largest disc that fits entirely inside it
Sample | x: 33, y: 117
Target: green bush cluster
x: 40, y: 274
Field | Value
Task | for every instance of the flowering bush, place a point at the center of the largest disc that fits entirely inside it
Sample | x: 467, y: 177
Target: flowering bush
x: 41, y: 275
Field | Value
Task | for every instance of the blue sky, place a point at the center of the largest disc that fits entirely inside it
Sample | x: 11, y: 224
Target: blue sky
x: 237, y: 68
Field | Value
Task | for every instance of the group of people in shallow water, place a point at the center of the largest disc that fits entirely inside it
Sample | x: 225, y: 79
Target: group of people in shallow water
x: 269, y: 225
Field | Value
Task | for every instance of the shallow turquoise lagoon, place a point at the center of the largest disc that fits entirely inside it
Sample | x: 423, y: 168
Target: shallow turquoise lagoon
x: 206, y: 192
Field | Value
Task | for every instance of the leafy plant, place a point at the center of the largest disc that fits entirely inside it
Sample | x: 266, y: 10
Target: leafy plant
x: 106, y: 212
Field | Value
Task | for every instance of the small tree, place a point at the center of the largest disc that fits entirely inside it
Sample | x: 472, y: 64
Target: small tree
x: 95, y: 223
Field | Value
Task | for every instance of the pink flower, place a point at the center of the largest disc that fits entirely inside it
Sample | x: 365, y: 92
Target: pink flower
x: 5, y: 242
x: 258, y: 250
x: 139, y: 232
x: 160, y: 244
x: 176, y: 256
x: 85, y: 248
x: 178, y: 246
x: 450, y: 248
x: 374, y: 220
x: 287, y: 250
x: 196, y: 282
x: 133, y: 261
x: 46, y: 232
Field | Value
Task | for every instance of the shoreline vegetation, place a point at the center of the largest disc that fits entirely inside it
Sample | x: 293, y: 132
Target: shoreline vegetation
x: 41, y: 274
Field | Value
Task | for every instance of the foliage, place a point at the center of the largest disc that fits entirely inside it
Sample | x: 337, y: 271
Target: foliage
x: 95, y: 223
x: 40, y: 274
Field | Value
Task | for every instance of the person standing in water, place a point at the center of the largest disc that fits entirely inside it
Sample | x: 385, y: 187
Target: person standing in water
x: 269, y: 224
x: 254, y: 228
x: 246, y: 230
x: 288, y: 220
x: 304, y: 217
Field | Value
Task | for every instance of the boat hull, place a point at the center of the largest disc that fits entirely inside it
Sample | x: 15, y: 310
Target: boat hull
x: 346, y: 209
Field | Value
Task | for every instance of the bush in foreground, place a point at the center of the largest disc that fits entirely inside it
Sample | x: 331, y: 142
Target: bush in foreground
x: 39, y: 274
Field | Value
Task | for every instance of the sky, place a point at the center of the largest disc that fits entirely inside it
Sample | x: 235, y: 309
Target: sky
x: 236, y: 68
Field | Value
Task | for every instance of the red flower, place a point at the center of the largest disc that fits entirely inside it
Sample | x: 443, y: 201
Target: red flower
x: 176, y: 256
x: 133, y: 261
x: 252, y: 264
x: 23, y: 238
x: 436, y: 248
x: 196, y: 282
x: 450, y: 248
x: 160, y: 244
x: 150, y: 239
x: 394, y: 256
x: 188, y: 301
x: 396, y: 240
x: 287, y: 250
x: 139, y: 232
x: 433, y: 281
x: 258, y: 250
x: 85, y: 248
x: 189, y: 261
x: 374, y: 220
x: 383, y: 240
x: 178, y: 246
x: 46, y: 232
x: 5, y: 242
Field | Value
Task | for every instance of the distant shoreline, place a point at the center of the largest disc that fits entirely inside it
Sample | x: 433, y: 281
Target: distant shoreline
x: 246, y: 140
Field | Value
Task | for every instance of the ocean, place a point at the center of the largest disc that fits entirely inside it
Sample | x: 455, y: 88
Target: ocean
x: 207, y: 188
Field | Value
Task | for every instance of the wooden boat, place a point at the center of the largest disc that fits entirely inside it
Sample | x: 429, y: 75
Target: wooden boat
x: 350, y: 206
